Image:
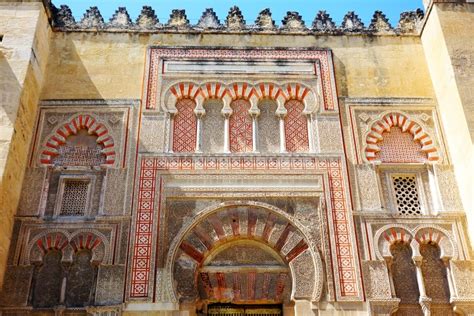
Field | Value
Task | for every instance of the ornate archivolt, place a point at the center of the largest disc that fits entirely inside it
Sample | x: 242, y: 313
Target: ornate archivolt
x: 87, y: 122
x: 389, y: 119
x: 253, y: 92
x: 68, y: 244
x: 198, y: 242
x: 390, y: 234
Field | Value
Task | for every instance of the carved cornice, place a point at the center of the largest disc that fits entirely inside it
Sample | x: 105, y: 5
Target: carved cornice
x: 147, y: 22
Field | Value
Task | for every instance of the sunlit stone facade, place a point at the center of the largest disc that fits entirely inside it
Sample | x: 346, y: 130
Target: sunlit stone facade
x: 235, y: 168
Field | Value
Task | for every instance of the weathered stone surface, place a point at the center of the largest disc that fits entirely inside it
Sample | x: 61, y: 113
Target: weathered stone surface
x: 209, y: 20
x: 147, y: 18
x: 16, y: 286
x: 323, y: 22
x: 92, y: 19
x: 110, y: 282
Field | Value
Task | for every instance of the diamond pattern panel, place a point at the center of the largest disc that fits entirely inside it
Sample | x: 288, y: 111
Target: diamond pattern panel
x: 240, y: 123
x: 296, y: 127
x: 185, y: 126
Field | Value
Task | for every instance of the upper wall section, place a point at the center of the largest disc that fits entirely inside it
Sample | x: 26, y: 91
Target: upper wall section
x: 86, y: 65
x: 93, y: 59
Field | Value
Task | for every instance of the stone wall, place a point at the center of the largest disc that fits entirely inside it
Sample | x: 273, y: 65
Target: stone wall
x: 24, y: 53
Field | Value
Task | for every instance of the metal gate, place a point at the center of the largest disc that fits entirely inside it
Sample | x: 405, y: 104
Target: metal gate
x: 235, y: 310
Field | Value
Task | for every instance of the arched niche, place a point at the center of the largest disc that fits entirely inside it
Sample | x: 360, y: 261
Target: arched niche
x: 212, y: 126
x: 404, y: 278
x: 81, y: 279
x: 268, y: 126
x: 240, y: 126
x: 264, y: 227
x: 48, y: 280
x: 408, y: 140
x: 82, y: 141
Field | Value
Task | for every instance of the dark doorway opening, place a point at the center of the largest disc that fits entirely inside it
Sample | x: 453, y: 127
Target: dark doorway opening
x: 243, y: 310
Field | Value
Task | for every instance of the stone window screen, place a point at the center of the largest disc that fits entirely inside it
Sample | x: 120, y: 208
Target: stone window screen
x: 73, y: 197
x: 406, y: 196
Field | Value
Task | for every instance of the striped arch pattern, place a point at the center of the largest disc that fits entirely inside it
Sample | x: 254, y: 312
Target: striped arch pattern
x: 93, y: 127
x: 390, y: 234
x: 237, y: 90
x: 67, y: 244
x: 402, y: 121
x: 53, y: 241
x: 85, y: 241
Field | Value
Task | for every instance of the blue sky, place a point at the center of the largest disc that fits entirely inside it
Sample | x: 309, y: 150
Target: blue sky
x: 250, y: 8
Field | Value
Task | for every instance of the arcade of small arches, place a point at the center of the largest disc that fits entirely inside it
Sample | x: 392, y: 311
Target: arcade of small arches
x: 66, y: 264
x: 418, y: 266
x: 241, y: 107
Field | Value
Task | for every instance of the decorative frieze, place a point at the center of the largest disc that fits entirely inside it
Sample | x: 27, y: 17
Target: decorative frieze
x: 410, y: 22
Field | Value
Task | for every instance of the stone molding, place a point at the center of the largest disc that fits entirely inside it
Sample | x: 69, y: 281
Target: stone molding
x: 92, y: 20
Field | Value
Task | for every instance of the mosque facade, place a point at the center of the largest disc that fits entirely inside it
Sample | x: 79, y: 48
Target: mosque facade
x: 236, y: 168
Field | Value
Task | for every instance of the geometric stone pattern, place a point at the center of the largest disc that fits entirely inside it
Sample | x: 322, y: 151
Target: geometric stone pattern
x: 296, y: 127
x: 406, y: 194
x: 399, y: 147
x: 75, y: 196
x: 184, y: 126
x: 240, y: 125
x: 344, y: 260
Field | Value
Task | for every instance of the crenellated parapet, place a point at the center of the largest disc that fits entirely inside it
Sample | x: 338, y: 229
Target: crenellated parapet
x: 293, y: 23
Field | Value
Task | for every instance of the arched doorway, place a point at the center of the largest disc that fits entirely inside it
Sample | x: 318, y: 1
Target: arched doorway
x: 248, y: 255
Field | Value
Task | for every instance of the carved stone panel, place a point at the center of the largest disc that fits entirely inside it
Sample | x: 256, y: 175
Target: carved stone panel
x: 376, y: 280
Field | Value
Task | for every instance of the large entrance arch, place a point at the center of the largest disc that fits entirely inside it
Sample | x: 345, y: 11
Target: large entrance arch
x: 243, y: 253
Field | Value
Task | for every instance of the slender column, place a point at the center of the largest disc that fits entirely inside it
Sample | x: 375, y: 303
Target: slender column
x: 254, y: 133
x: 226, y: 133
x: 435, y: 194
x: 199, y: 133
x: 310, y: 133
x: 171, y: 131
x: 282, y: 134
x: 452, y: 289
x: 389, y: 262
x: 425, y: 301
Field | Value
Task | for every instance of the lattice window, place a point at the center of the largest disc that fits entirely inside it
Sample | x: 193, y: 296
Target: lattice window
x: 399, y: 147
x: 185, y: 127
x: 80, y: 150
x: 406, y: 194
x: 296, y: 127
x: 240, y: 125
x: 75, y: 198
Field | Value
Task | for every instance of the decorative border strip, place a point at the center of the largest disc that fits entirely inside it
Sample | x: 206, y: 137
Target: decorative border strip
x: 344, y: 261
x: 321, y: 58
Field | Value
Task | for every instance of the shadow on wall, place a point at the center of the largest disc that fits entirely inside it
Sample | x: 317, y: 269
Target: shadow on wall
x: 66, y: 75
x: 14, y: 137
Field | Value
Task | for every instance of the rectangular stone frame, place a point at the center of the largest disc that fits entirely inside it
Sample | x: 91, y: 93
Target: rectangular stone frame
x: 141, y: 282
